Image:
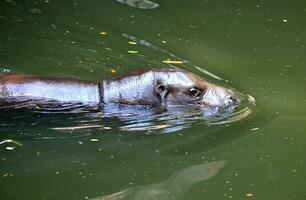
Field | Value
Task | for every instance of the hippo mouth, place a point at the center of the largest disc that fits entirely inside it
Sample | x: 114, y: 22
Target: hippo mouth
x: 230, y: 103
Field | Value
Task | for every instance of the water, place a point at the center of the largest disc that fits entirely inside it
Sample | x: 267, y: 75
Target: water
x: 255, y: 47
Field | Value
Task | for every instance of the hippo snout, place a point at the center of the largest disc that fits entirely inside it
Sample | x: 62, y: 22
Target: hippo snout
x: 234, y: 99
x: 217, y: 96
x: 231, y: 100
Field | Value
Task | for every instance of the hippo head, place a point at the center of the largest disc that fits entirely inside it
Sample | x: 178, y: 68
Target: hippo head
x: 182, y: 87
x: 168, y: 86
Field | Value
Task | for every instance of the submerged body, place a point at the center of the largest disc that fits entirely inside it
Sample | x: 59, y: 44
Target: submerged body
x: 63, y: 90
x: 150, y: 87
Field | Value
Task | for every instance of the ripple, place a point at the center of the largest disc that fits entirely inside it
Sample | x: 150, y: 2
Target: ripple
x: 24, y: 6
x: 31, y: 118
x: 141, y: 4
x: 175, y: 187
x: 14, y: 11
x: 86, y: 120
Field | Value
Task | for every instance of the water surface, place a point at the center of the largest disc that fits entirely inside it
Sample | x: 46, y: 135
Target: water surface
x: 255, y: 47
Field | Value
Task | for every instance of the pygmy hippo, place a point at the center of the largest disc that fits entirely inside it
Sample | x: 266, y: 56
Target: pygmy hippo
x: 166, y: 86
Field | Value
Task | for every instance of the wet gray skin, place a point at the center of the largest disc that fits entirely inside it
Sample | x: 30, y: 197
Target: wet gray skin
x: 168, y: 86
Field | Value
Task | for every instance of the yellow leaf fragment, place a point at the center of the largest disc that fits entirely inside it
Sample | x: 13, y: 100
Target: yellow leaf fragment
x: 132, y: 52
x: 103, y: 33
x: 249, y: 194
x: 173, y: 62
x: 132, y: 43
x: 113, y: 71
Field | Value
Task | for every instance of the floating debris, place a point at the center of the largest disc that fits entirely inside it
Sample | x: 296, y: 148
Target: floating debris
x: 254, y: 129
x: 173, y: 62
x: 113, y: 71
x: 94, y: 140
x: 132, y: 43
x: 103, y: 33
x: 10, y: 148
x: 5, y: 175
x: 132, y: 52
x: 6, y: 70
x: 249, y: 194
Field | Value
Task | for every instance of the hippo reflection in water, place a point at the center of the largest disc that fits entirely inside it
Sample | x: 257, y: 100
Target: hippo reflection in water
x: 175, y: 187
x: 156, y: 87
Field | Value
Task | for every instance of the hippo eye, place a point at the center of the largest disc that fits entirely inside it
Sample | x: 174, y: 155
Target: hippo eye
x: 195, y: 92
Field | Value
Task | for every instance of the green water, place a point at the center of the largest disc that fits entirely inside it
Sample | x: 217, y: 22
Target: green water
x: 259, y: 46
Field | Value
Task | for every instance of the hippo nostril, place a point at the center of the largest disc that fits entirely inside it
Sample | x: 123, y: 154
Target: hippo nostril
x: 234, y: 99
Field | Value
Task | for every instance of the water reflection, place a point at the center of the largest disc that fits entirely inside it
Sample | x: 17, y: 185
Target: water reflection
x: 175, y: 187
x: 13, y: 10
x: 83, y: 120
x: 141, y: 4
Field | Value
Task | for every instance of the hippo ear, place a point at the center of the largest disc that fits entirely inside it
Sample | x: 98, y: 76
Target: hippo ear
x: 162, y: 90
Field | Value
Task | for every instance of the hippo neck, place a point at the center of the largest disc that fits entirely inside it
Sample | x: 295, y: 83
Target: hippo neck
x: 134, y: 89
x: 58, y: 89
